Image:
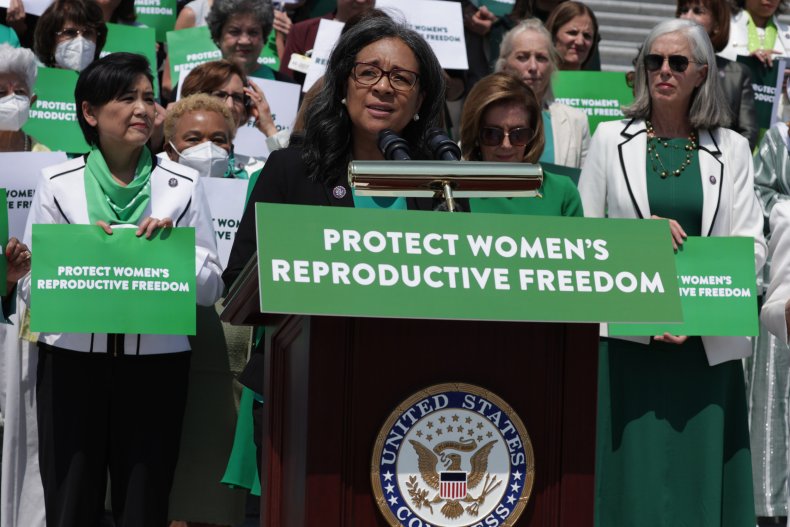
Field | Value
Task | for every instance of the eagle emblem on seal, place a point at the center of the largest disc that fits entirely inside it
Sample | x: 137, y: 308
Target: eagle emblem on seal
x: 448, y: 488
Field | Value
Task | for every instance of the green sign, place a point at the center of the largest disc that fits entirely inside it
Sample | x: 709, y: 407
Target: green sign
x: 3, y: 240
x: 413, y: 264
x: 113, y: 284
x: 599, y: 94
x: 767, y: 86
x: 717, y: 291
x: 188, y: 48
x: 157, y: 14
x: 133, y: 39
x: 53, y: 117
x: 497, y: 7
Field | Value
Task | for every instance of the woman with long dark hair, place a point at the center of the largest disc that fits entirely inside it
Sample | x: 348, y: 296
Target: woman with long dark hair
x: 381, y: 75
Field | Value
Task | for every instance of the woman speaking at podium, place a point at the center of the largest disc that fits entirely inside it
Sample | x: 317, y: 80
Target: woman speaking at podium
x: 673, y: 437
x: 381, y: 75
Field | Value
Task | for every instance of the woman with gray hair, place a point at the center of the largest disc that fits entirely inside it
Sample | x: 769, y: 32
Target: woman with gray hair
x: 17, y: 78
x: 673, y: 438
x: 528, y: 51
x: 239, y: 28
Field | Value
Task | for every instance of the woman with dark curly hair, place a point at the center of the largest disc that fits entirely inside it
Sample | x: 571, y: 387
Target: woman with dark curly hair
x: 70, y: 34
x: 381, y: 75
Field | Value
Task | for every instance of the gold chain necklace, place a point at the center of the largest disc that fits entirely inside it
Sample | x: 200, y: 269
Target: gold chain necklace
x: 653, y: 155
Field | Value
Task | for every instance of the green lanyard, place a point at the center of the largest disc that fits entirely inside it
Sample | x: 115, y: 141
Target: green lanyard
x: 755, y: 42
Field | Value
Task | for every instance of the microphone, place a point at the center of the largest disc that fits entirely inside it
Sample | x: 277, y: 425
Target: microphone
x: 443, y: 148
x: 394, y: 147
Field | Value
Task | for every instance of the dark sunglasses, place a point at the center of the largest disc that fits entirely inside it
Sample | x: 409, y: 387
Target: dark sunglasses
x: 492, y: 136
x: 677, y: 63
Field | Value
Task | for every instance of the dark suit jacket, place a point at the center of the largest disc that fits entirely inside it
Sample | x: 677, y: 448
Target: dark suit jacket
x: 736, y: 84
x: 284, y: 180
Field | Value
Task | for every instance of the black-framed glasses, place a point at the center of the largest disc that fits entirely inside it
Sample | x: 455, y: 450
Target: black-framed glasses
x: 70, y: 33
x: 370, y: 74
x: 677, y: 63
x: 494, y: 136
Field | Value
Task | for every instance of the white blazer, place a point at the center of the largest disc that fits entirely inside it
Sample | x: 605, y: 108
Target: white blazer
x: 613, y: 179
x: 176, y: 193
x: 773, y: 311
x: 570, y: 132
x: 738, y: 43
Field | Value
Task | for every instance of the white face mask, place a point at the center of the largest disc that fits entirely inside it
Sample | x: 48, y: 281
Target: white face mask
x: 14, y: 111
x: 75, y: 54
x: 207, y: 158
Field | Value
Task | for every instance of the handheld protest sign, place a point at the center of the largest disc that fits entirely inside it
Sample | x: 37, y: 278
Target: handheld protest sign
x: 133, y: 39
x: 497, y: 7
x: 599, y: 94
x: 53, y: 117
x: 226, y: 198
x: 767, y: 86
x: 440, y: 23
x: 20, y: 175
x: 283, y: 98
x: 188, y: 48
x: 3, y: 241
x: 325, y: 40
x: 157, y: 14
x: 122, y: 283
x: 32, y: 7
x: 718, y: 291
x: 417, y: 264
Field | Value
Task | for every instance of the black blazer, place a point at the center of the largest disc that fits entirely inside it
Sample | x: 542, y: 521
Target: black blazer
x: 284, y: 180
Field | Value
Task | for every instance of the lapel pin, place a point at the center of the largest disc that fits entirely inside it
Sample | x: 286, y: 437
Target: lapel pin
x: 339, y: 192
x: 173, y: 182
x: 713, y: 180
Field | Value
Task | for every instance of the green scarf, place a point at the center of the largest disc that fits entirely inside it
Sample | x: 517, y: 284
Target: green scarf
x: 110, y: 201
x: 755, y: 42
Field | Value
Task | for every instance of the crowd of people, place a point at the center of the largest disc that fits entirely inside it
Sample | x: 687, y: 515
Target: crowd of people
x: 690, y: 430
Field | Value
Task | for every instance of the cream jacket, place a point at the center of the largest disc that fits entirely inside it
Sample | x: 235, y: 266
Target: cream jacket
x: 613, y: 180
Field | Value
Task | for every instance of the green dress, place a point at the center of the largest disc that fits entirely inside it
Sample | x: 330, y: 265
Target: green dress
x: 672, y: 434
x: 558, y: 197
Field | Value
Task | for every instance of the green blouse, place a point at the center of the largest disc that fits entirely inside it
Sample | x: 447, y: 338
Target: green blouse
x: 559, y: 197
x: 678, y: 198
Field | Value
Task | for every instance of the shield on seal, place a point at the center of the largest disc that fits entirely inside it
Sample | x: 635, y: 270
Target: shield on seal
x: 452, y: 485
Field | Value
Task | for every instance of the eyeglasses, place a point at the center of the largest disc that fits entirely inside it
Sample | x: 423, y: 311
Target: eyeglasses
x: 237, y: 98
x: 677, y: 63
x: 370, y: 74
x: 70, y: 33
x: 493, y: 136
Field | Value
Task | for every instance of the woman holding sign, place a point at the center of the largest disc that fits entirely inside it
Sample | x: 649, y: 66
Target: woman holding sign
x: 673, y: 438
x: 115, y: 402
x: 528, y: 52
x: 381, y: 75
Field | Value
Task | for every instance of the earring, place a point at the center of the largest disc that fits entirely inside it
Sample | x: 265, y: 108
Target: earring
x: 416, y: 117
x: 343, y: 101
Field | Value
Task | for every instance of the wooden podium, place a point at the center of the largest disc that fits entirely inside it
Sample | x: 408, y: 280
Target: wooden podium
x: 331, y: 382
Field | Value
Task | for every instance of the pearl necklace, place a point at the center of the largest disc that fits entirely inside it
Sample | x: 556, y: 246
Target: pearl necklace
x: 653, y: 155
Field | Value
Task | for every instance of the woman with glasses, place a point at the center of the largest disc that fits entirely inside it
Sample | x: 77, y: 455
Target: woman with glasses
x: 70, y: 34
x: 734, y: 77
x: 528, y: 52
x: 502, y: 121
x: 227, y: 81
x: 381, y: 75
x: 672, y: 433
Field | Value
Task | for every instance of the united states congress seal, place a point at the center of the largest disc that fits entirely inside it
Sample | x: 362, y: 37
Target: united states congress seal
x: 452, y: 455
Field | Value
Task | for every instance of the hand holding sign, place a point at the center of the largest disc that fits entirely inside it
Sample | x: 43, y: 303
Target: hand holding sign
x: 17, y: 258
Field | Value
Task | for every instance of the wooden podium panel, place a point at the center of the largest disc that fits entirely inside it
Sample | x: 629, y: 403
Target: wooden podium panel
x: 331, y: 383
